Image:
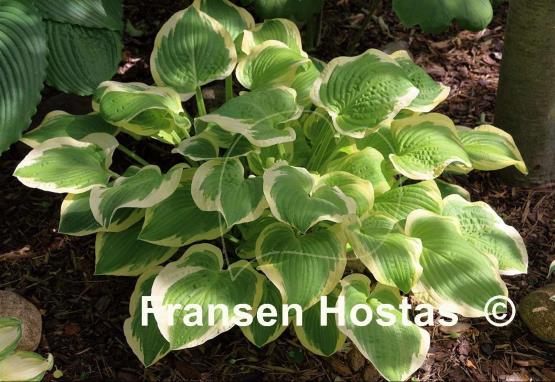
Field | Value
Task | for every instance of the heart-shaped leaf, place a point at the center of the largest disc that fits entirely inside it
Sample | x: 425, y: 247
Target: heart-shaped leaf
x: 358, y: 189
x: 282, y: 30
x: 234, y: 19
x: 88, y: 13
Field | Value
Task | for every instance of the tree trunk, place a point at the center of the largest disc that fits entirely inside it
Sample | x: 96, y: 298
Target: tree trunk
x: 526, y: 95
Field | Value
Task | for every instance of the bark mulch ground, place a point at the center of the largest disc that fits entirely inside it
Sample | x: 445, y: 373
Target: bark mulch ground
x: 83, y: 314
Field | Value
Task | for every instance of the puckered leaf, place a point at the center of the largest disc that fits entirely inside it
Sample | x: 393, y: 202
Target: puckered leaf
x: 66, y: 165
x: 257, y: 115
x: 272, y: 63
x: 24, y: 366
x: 484, y: 229
x: 282, y: 30
x: 363, y: 93
x: 124, y: 254
x: 80, y: 58
x: 431, y: 93
x: 401, y: 201
x: 234, y: 19
x: 61, y: 124
x: 146, y: 341
x: 297, y: 198
x: 396, y: 351
x: 198, y: 278
x: 386, y: 251
x: 490, y: 148
x: 143, y: 189
x: 358, y: 189
x: 456, y: 275
x: 106, y: 14
x: 177, y: 221
x: 191, y: 49
x: 10, y: 334
x: 22, y: 69
x: 425, y: 145
x: 303, y: 268
x: 143, y: 110
x: 220, y: 185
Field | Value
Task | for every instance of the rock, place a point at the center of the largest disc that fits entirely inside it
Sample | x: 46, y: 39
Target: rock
x: 394, y: 46
x: 538, y: 313
x: 13, y: 305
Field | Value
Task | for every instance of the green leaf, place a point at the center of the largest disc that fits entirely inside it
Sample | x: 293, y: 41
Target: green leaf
x: 234, y: 19
x: 177, y: 221
x: 396, y: 351
x: 431, y: 93
x: 106, y: 14
x: 220, y: 185
x: 259, y: 115
x: 143, y: 110
x: 10, y: 334
x: 386, y: 251
x: 358, y: 189
x: 80, y: 58
x: 485, y: 230
x: 450, y: 189
x: 22, y: 68
x: 297, y: 198
x: 206, y: 146
x: 456, y: 276
x: 435, y: 16
x: 490, y: 148
x: 320, y: 339
x: 191, y: 50
x: 303, y: 268
x: 363, y: 93
x: 66, y: 165
x: 282, y: 30
x: 250, y: 233
x: 123, y: 254
x: 425, y: 145
x: 269, y: 64
x: 24, y: 366
x: 299, y: 10
x: 198, y: 278
x: 305, y: 77
x: 401, y: 201
x: 145, y: 340
x: 143, y: 189
x: 61, y: 124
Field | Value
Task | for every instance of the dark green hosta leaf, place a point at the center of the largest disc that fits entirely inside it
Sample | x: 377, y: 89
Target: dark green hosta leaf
x: 107, y: 14
x: 300, y: 10
x: 22, y: 68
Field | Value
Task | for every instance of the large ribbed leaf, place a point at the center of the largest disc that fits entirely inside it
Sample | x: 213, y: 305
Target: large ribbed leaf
x: 235, y: 19
x: 22, y: 67
x: 282, y: 30
x: 106, y: 14
x: 80, y: 58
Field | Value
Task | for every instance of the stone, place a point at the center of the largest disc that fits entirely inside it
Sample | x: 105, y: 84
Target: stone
x: 537, y: 310
x: 13, y: 305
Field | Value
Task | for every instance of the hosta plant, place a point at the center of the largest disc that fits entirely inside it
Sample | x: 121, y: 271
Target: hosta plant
x: 309, y: 168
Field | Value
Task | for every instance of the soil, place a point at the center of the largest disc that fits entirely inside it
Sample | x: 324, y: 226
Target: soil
x: 83, y: 314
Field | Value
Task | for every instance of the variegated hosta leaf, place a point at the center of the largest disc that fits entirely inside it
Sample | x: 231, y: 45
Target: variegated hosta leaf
x: 396, y: 351
x: 220, y: 185
x: 297, y: 198
x: 88, y: 13
x: 80, y: 58
x: 484, y: 229
x: 143, y: 110
x: 320, y: 339
x: 381, y: 140
x: 261, y: 335
x: 367, y: 164
x: 146, y: 341
x: 246, y: 249
x: 198, y: 278
x: 269, y: 64
x: 450, y: 189
x: 67, y: 165
x: 456, y: 275
x: 401, y: 201
x: 305, y: 77
x: 234, y: 19
x: 258, y: 116
x: 22, y: 69
x: 61, y: 124
x: 124, y: 254
x: 205, y: 146
x: 431, y: 93
x: 10, y: 334
x: 282, y: 30
x: 177, y: 221
x: 490, y: 148
x: 358, y: 189
x: 387, y: 252
x: 303, y: 268
x: 24, y: 366
x: 425, y: 145
x: 191, y: 49
x: 364, y: 92
x: 143, y: 189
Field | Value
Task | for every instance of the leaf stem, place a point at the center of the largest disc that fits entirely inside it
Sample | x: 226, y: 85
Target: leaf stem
x: 132, y: 155
x: 229, y: 87
x: 201, y: 108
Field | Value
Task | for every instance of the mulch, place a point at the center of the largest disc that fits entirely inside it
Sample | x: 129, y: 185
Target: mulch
x: 83, y: 314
